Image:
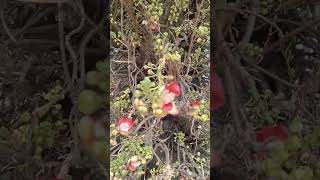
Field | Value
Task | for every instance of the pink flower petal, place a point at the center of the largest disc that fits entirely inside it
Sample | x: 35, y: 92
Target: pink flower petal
x: 173, y: 87
x: 125, y: 125
x: 167, y: 107
x: 167, y: 97
x: 195, y: 104
x: 174, y: 110
x: 279, y: 132
x: 133, y: 165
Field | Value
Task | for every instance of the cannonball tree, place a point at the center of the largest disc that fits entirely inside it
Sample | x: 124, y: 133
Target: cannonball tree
x: 159, y: 125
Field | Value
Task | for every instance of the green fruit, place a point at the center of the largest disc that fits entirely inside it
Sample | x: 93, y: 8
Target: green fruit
x: 102, y: 67
x: 103, y: 86
x: 86, y: 130
x: 99, y: 151
x: 92, y: 78
x: 293, y: 143
x: 300, y: 173
x: 89, y: 102
x: 280, y: 155
x: 205, y: 117
x: 142, y: 109
x: 137, y: 93
x: 276, y: 172
x: 270, y: 164
x: 295, y: 126
x: 100, y: 131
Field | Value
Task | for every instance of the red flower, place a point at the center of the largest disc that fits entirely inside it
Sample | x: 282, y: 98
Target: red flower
x: 167, y: 97
x: 134, y: 163
x: 167, y: 107
x: 217, y: 97
x: 279, y: 132
x: 174, y: 110
x: 173, y: 87
x: 125, y: 125
x: 195, y: 104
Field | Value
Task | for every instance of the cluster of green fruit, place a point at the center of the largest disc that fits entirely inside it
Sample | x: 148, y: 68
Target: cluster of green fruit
x: 132, y: 147
x: 165, y: 53
x: 179, y: 137
x: 196, y: 57
x: 175, y: 56
x: 253, y: 51
x: 91, y: 101
x: 93, y: 135
x: 159, y: 44
x: 165, y: 171
x: 201, y: 112
x: 203, y: 34
x: 292, y: 160
x: 121, y: 103
x: 265, y: 7
x: 55, y: 94
x: 176, y: 8
x: 43, y: 136
x: 199, y: 159
x: 154, y: 10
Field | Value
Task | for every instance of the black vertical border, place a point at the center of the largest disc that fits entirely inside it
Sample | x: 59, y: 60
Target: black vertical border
x: 107, y: 27
x: 213, y: 50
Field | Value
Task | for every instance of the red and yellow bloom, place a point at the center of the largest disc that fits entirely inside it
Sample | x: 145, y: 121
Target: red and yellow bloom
x: 125, y: 126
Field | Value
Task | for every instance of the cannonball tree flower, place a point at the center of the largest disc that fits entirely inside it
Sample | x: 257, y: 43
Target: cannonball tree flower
x: 195, y: 104
x: 133, y: 163
x: 174, y: 110
x: 173, y: 87
x: 170, y: 92
x: 125, y: 126
x: 167, y: 107
x: 269, y: 136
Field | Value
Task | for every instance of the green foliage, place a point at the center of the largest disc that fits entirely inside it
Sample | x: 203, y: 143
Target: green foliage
x: 132, y: 147
x: 201, y: 113
x: 253, y: 51
x: 266, y: 6
x: 121, y: 103
x: 293, y: 160
x: 179, y: 138
x: 55, y: 94
x: 261, y: 110
x: 174, y: 36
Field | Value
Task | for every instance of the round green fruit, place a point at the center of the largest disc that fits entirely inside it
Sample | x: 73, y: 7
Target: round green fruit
x: 92, y: 78
x: 99, y: 151
x: 137, y: 93
x: 295, y: 127
x: 103, y: 86
x: 142, y: 109
x: 89, y: 102
x: 86, y: 129
x: 102, y: 67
